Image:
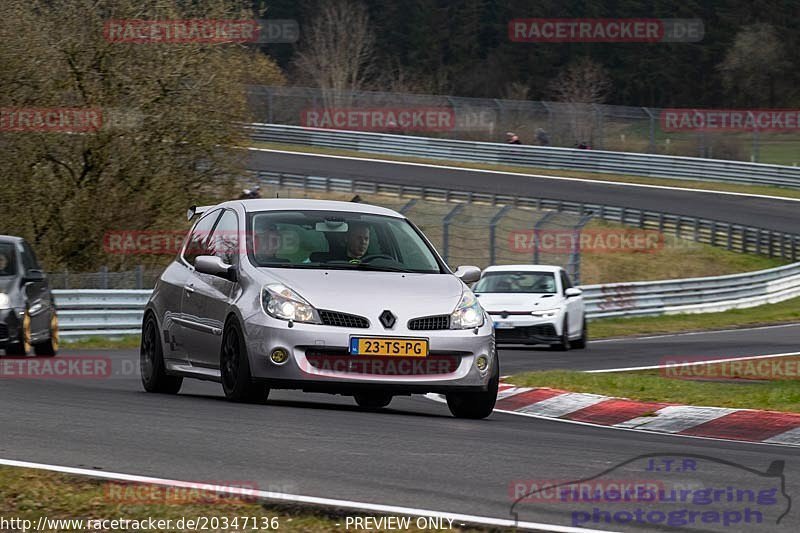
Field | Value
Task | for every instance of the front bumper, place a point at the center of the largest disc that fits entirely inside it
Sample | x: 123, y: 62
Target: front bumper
x: 526, y: 329
x: 319, y: 359
x: 9, y: 326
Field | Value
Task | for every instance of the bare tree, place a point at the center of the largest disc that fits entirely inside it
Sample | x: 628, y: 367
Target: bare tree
x: 579, y: 86
x: 753, y: 64
x: 167, y: 111
x: 338, y: 52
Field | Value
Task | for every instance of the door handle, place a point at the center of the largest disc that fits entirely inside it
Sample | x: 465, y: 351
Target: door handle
x: 189, y: 288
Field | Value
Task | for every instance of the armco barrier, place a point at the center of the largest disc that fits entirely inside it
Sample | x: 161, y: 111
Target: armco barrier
x: 119, y: 312
x: 734, y: 237
x: 636, y: 164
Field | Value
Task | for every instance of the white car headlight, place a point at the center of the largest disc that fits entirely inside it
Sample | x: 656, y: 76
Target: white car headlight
x: 547, y: 313
x: 468, y: 313
x: 5, y: 301
x: 279, y: 301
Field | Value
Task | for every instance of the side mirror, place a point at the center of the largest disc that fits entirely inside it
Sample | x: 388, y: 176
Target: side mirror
x: 33, y: 276
x: 213, y: 265
x: 468, y: 274
x: 572, y: 292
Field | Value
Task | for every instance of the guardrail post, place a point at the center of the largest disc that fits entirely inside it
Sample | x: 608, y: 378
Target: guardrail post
x: 139, y: 277
x: 729, y: 245
x: 446, y: 229
x: 661, y: 222
x: 492, y: 228
x: 696, y: 230
x: 713, y: 233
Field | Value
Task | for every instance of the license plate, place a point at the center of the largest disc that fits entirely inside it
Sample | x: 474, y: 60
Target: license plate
x: 504, y: 325
x: 389, y: 347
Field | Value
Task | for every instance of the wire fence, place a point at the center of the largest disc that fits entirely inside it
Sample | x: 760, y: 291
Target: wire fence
x: 598, y: 126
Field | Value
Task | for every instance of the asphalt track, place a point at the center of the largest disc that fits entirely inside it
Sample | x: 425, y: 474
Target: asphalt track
x: 767, y: 213
x: 412, y: 454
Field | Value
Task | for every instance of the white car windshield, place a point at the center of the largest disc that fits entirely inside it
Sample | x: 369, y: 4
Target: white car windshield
x: 521, y: 282
x: 338, y: 240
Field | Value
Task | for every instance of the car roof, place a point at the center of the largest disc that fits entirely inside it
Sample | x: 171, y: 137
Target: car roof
x: 283, y: 204
x: 523, y: 268
x: 11, y: 238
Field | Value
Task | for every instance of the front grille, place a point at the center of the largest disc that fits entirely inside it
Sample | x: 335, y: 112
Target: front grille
x: 3, y: 331
x: 343, y: 320
x: 430, y: 322
x: 528, y: 333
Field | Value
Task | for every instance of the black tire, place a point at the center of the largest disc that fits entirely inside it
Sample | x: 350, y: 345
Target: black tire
x: 580, y: 344
x: 563, y: 345
x: 234, y: 367
x: 476, y: 405
x: 151, y: 361
x: 373, y: 400
x: 49, y: 348
x: 22, y: 346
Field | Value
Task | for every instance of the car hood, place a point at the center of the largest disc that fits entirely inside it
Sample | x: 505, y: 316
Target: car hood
x: 369, y: 293
x: 499, y: 301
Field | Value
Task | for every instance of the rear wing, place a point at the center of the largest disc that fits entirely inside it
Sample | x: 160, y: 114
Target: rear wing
x: 197, y: 210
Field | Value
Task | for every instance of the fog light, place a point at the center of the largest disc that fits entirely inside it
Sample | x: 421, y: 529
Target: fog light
x: 482, y: 363
x: 279, y: 356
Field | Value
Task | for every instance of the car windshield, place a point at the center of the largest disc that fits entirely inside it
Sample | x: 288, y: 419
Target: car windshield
x: 8, y: 266
x: 338, y: 240
x: 523, y: 282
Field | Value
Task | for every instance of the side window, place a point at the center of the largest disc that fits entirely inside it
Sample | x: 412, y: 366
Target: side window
x: 565, y: 282
x: 197, y: 242
x: 224, y: 241
x: 28, y: 259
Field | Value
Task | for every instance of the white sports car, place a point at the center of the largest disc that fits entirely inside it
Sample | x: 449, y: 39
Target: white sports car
x: 533, y: 304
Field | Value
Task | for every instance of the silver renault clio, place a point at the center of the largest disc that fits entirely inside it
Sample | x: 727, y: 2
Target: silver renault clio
x: 322, y: 296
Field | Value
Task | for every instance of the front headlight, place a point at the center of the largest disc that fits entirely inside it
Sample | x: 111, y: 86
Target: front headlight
x: 549, y: 313
x: 468, y: 313
x: 279, y: 301
x: 5, y: 301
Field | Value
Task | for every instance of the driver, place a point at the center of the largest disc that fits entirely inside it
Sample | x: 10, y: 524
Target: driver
x: 357, y: 241
x: 5, y: 265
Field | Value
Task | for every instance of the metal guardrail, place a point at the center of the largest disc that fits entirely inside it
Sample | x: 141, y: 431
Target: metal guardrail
x: 734, y: 237
x: 119, y: 312
x: 628, y: 163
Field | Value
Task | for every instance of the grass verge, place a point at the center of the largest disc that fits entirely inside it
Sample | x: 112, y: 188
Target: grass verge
x: 126, y: 342
x: 670, y: 386
x: 29, y: 494
x: 595, y: 176
x: 785, y: 312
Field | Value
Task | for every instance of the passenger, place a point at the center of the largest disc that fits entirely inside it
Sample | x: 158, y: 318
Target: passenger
x: 267, y: 242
